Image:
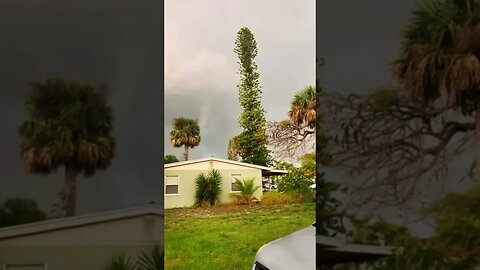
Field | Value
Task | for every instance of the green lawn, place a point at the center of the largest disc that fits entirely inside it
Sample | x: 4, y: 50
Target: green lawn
x: 228, y: 237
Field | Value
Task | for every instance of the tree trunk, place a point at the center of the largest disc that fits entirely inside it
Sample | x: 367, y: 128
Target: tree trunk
x: 185, y: 153
x: 70, y: 191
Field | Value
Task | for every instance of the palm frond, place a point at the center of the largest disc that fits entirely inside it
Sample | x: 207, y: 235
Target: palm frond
x: 186, y: 132
x: 151, y: 259
x: 119, y: 262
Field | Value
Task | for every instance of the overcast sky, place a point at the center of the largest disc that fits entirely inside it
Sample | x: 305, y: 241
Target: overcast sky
x: 119, y: 42
x: 201, y: 67
x: 359, y: 39
x: 111, y: 41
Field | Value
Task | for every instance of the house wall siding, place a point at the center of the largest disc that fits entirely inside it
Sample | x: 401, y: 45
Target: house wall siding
x: 67, y: 257
x: 134, y: 230
x: 186, y: 196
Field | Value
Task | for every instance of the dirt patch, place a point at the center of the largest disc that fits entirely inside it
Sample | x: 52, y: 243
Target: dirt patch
x: 205, y: 212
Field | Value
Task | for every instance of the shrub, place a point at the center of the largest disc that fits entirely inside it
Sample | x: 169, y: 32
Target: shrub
x: 120, y: 262
x: 273, y: 197
x: 16, y: 211
x: 151, y: 259
x: 209, y: 187
x: 247, y: 189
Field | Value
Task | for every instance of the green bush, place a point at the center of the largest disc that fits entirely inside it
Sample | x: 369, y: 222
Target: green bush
x: 16, y: 211
x: 296, y: 181
x: 247, y: 189
x: 273, y: 197
x: 151, y: 259
x: 120, y: 262
x: 209, y: 188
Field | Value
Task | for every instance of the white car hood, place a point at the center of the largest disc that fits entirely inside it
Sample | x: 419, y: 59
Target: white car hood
x: 294, y: 251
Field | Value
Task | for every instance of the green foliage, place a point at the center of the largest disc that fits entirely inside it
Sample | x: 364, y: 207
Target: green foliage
x: 454, y: 245
x: 298, y: 179
x: 151, y: 259
x: 302, y: 108
x: 377, y: 231
x: 185, y: 133
x: 440, y: 51
x: 294, y: 181
x: 309, y: 164
x: 16, y: 211
x: 170, y: 159
x: 253, y: 140
x: 329, y: 213
x: 458, y: 225
x: 208, y: 187
x: 120, y: 262
x: 69, y: 124
x: 247, y: 189
x: 234, y: 148
x: 382, y: 99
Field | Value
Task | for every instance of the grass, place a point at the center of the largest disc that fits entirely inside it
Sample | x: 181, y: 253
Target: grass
x: 228, y: 237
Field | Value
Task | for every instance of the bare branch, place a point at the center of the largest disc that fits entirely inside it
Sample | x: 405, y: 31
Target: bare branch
x: 394, y: 145
x: 290, y: 140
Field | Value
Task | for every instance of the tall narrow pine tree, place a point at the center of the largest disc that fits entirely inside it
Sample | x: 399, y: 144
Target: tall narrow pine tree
x: 253, y: 140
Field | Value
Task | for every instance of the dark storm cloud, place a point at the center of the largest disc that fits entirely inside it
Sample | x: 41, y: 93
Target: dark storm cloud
x: 113, y: 42
x: 358, y: 41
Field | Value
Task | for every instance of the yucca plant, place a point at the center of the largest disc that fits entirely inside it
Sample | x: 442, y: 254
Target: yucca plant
x: 120, y: 262
x: 151, y: 259
x: 209, y: 187
x: 247, y: 189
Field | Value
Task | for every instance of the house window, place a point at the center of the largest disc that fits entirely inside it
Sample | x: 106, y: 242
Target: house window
x: 25, y: 267
x: 234, y: 178
x: 171, y: 185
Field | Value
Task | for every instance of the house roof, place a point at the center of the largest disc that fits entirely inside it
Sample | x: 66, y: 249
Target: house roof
x: 78, y: 221
x: 265, y: 170
x: 331, y: 251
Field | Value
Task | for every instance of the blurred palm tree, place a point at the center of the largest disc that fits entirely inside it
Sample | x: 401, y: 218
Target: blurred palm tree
x: 186, y: 133
x: 440, y: 58
x: 69, y: 125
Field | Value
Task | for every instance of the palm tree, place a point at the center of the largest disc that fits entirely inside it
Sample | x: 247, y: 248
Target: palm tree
x: 302, y: 108
x: 16, y: 211
x: 186, y: 133
x: 247, y: 189
x: 69, y: 125
x: 440, y: 57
